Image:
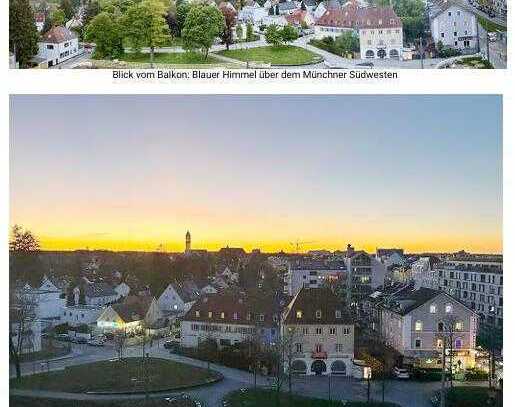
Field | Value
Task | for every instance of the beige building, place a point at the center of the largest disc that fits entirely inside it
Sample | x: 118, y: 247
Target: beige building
x: 423, y: 324
x: 320, y: 332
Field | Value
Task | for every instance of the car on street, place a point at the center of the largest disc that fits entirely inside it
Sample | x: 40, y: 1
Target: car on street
x: 96, y: 342
x: 401, y: 373
x: 63, y: 337
x: 80, y: 340
x: 171, y: 345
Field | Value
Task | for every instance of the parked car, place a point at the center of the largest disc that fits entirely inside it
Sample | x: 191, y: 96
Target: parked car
x: 400, y: 373
x: 96, y: 342
x: 169, y: 344
x: 63, y: 337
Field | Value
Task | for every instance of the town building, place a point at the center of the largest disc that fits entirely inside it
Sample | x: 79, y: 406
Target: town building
x: 229, y: 319
x: 178, y: 297
x: 423, y: 324
x: 301, y: 18
x: 58, y: 45
x: 380, y: 33
x: 95, y: 293
x: 320, y: 333
x: 477, y: 281
x: 311, y: 273
x: 131, y: 316
x: 454, y: 26
x: 423, y: 273
x: 75, y: 315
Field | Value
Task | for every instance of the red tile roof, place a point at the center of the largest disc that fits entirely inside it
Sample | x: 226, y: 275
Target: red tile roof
x: 296, y: 17
x: 351, y: 16
x: 57, y: 35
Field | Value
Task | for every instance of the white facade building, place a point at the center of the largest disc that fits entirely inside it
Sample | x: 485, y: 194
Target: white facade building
x: 319, y: 332
x: 477, y: 282
x: 76, y: 315
x: 455, y: 27
x: 58, y: 45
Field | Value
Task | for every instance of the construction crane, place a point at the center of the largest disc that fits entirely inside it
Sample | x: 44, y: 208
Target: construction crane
x: 298, y: 244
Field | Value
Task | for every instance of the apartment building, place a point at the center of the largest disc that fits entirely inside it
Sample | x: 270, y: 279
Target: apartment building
x: 477, y: 281
x: 320, y: 332
x: 229, y: 319
x: 422, y: 324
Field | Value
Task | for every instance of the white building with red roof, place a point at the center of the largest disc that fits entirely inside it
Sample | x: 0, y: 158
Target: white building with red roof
x: 379, y: 28
x: 57, y: 45
x: 300, y: 17
x: 380, y: 33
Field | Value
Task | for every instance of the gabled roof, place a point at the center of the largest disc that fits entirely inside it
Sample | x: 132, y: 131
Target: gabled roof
x: 99, y: 289
x: 134, y: 308
x: 287, y: 5
x: 438, y: 7
x: 311, y: 300
x: 56, y: 35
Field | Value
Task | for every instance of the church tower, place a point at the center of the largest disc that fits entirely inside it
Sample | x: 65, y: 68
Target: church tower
x: 188, y: 242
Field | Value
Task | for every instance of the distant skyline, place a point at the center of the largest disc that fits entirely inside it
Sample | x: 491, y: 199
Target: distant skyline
x: 134, y: 172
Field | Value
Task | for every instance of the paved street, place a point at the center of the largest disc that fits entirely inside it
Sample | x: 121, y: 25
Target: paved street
x: 406, y: 393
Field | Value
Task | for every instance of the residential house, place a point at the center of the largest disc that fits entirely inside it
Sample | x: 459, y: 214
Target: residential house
x: 423, y: 272
x: 39, y: 19
x: 307, y: 272
x: 132, y: 315
x: 96, y: 293
x: 122, y: 289
x: 58, y: 45
x: 454, y: 26
x: 300, y: 18
x: 252, y: 14
x: 319, y: 332
x: 425, y: 324
x: 178, y: 297
x: 231, y: 318
x: 75, y: 315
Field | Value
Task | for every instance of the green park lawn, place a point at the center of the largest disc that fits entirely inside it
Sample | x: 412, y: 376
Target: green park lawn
x: 283, y: 55
x: 467, y: 396
x: 126, y: 375
x: 172, y: 58
x: 265, y: 398
x: 42, y: 402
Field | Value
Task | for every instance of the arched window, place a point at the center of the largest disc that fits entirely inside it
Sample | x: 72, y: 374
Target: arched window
x: 299, y: 367
x: 339, y: 367
x: 394, y: 53
x: 369, y: 54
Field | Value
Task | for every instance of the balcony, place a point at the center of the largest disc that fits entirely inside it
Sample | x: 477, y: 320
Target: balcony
x: 318, y: 355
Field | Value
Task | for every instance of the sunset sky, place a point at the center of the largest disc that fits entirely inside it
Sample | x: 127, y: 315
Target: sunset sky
x: 132, y: 172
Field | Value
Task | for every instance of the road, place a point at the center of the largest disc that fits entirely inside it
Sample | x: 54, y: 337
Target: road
x: 406, y: 393
x: 497, y: 19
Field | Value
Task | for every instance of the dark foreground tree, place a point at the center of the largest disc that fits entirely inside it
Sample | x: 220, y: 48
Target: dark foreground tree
x: 23, y: 34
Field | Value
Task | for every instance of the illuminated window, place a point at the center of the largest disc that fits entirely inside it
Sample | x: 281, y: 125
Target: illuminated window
x: 439, y: 343
x: 418, y: 326
x: 222, y: 315
x: 197, y: 314
x: 448, y: 308
x: 338, y: 314
x: 318, y: 314
x: 459, y: 326
x: 299, y: 314
x: 210, y: 314
x: 432, y: 309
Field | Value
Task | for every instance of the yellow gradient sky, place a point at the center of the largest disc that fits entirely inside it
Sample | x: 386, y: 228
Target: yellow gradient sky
x: 134, y: 172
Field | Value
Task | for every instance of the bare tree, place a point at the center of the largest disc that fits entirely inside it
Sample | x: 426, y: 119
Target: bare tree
x: 21, y: 322
x: 120, y: 340
x: 285, y: 352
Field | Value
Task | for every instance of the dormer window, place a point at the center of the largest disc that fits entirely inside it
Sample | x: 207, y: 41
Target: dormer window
x: 318, y: 314
x: 380, y: 22
x: 235, y: 316
x: 197, y: 314
x: 299, y: 314
x: 261, y: 317
x: 222, y: 315
x: 210, y: 314
x: 337, y: 314
x: 275, y: 318
x: 248, y: 316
